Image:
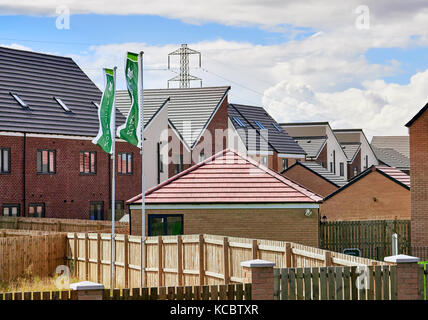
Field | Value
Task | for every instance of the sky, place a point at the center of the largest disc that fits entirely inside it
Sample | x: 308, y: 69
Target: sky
x: 355, y: 64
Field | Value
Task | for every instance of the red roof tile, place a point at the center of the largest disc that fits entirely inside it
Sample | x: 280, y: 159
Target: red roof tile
x: 395, y: 174
x: 228, y: 177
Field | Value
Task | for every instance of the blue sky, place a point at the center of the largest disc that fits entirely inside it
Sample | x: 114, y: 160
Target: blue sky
x: 303, y: 61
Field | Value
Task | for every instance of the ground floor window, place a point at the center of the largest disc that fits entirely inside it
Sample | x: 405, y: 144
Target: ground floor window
x: 11, y: 210
x: 165, y: 224
x: 36, y: 210
x: 96, y: 210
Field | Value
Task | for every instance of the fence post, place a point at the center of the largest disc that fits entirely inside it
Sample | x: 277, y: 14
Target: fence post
x: 226, y: 260
x: 260, y: 274
x: 160, y: 262
x: 180, y: 261
x: 407, y: 276
x: 254, y: 248
x: 201, y: 260
x: 86, y: 256
x: 98, y: 257
x: 126, y: 259
x: 76, y: 255
x: 288, y: 254
x: 87, y: 290
x: 328, y: 259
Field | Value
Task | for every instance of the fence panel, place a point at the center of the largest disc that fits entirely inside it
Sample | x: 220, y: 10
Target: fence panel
x: 336, y: 283
x: 373, y: 238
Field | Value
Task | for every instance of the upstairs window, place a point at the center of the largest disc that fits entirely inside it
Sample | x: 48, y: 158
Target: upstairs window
x: 284, y: 164
x: 277, y: 127
x: 36, y: 210
x: 88, y: 162
x: 46, y: 161
x: 19, y: 100
x: 239, y: 122
x: 62, y: 104
x: 342, y: 169
x: 355, y: 171
x: 331, y: 167
x: 260, y: 125
x: 4, y: 160
x: 124, y: 163
x: 11, y: 210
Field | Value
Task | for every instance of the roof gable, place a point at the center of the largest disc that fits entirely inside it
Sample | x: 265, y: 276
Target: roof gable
x: 228, y: 177
x: 189, y: 110
x: 416, y: 117
x: 351, y: 149
x: 391, y: 173
x: 277, y: 140
x: 312, y: 145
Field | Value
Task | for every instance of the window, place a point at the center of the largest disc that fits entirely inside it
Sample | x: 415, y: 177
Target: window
x: 276, y: 127
x: 367, y: 162
x: 46, y: 161
x: 322, y: 164
x: 331, y: 166
x: 355, y: 171
x: 96, y: 210
x: 165, y: 225
x: 201, y: 156
x: 19, y: 100
x: 342, y: 169
x: 284, y: 164
x: 119, y: 205
x: 11, y: 210
x: 36, y: 210
x: 88, y: 162
x: 334, y: 161
x: 259, y: 124
x: 178, y: 163
x: 124, y: 163
x: 264, y: 160
x: 62, y: 104
x: 4, y: 160
x: 239, y: 122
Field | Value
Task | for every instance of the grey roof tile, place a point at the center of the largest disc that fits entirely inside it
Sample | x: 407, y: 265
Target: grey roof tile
x: 392, y: 158
x: 399, y: 143
x: 278, y: 141
x: 190, y: 105
x: 312, y: 145
x: 350, y: 149
x: 320, y: 170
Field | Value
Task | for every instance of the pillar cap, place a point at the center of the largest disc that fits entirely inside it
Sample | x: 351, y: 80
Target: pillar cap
x: 402, y: 258
x: 86, y: 285
x: 257, y: 263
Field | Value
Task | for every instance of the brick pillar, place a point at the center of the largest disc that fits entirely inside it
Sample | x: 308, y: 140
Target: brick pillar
x: 407, y: 276
x: 87, y: 290
x: 260, y: 274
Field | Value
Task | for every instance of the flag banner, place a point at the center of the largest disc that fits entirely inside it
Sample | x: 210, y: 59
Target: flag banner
x: 131, y: 130
x: 105, y: 114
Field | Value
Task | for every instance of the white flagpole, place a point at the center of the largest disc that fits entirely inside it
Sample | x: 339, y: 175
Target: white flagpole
x: 143, y: 186
x: 113, y: 185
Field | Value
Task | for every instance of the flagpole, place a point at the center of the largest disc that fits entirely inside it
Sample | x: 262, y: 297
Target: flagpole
x: 143, y: 192
x: 113, y: 186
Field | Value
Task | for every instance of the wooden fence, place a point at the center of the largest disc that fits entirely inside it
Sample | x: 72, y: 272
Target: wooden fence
x: 373, y: 237
x: 336, y: 283
x: 214, y: 292
x: 188, y: 259
x: 61, y: 225
x: 35, y: 255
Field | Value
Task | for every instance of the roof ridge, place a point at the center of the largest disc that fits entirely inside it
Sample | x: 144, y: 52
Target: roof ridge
x: 35, y: 52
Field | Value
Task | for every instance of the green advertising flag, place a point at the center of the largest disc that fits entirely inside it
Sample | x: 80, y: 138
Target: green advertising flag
x: 106, y: 114
x: 131, y: 130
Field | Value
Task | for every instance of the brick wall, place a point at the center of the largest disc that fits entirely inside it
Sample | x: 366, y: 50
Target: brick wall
x: 272, y: 224
x: 419, y: 180
x: 67, y: 193
x: 322, y: 158
x: 310, y: 180
x: 356, y: 201
x: 355, y: 163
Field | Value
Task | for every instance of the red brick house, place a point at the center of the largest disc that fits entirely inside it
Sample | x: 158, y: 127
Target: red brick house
x: 230, y: 194
x: 314, y: 177
x: 378, y: 193
x: 48, y: 164
x: 418, y: 130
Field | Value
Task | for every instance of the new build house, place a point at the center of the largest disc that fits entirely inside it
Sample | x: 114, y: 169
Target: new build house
x: 233, y: 195
x: 378, y: 193
x: 393, y: 151
x: 197, y: 125
x: 254, y: 132
x: 48, y: 165
x: 320, y: 145
x: 357, y: 149
x: 314, y: 177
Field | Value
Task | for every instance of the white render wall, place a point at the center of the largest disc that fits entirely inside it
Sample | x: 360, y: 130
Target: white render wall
x: 333, y: 144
